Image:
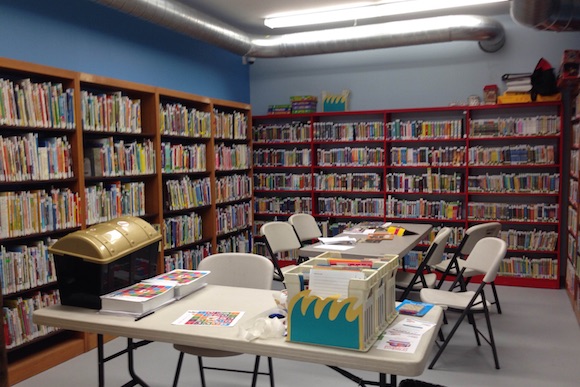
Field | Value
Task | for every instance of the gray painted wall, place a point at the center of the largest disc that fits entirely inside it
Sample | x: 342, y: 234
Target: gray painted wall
x: 406, y: 77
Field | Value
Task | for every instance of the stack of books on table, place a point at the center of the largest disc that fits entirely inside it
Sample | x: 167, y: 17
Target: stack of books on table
x: 151, y: 294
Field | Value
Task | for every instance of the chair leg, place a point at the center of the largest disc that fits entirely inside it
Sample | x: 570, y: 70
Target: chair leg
x: 201, y: 371
x: 178, y: 370
x: 472, y: 322
x: 491, y: 339
x: 271, y: 370
x: 449, y: 336
x: 256, y: 369
x: 495, y: 298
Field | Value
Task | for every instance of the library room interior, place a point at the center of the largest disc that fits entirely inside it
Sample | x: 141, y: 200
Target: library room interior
x: 247, y: 193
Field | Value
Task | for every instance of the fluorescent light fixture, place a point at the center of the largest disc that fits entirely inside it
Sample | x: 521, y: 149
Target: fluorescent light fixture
x: 391, y: 8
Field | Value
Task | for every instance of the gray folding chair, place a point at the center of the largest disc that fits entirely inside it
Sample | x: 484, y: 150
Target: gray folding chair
x: 306, y: 229
x: 486, y: 258
x: 280, y: 238
x: 231, y: 269
x: 422, y: 277
x: 454, y: 265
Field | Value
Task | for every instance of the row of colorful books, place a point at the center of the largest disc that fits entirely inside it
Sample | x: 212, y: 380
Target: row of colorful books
x: 233, y: 187
x: 109, y: 201
x: 238, y: 243
x: 237, y: 156
x: 233, y: 126
x: 32, y: 212
x: 428, y: 156
x: 516, y: 126
x: 179, y: 120
x: 535, y: 240
x: 186, y: 193
x: 516, y: 183
x: 183, y: 158
x: 338, y: 206
x: 182, y: 230
x: 18, y: 325
x: 43, y: 105
x: 233, y: 217
x: 26, y: 157
x: 112, y: 112
x: 348, y: 131
x: 187, y: 259
x: 282, y: 157
x: 419, y: 129
x: 512, y: 155
x: 347, y: 156
x: 526, y: 212
x: 110, y: 157
x: 27, y: 266
x: 283, y: 181
x: 288, y: 205
x: 286, y: 132
x: 526, y: 267
x: 347, y: 182
x: 430, y: 182
x: 423, y: 209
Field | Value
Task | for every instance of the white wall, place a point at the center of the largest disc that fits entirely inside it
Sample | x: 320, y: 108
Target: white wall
x: 414, y: 76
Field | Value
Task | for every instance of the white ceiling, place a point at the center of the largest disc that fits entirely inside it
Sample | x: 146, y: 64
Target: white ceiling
x: 248, y: 15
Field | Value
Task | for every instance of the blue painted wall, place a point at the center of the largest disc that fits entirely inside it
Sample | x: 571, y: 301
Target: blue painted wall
x: 84, y: 36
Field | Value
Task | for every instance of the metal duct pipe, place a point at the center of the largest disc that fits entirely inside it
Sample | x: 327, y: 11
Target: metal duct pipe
x: 552, y: 15
x: 188, y: 21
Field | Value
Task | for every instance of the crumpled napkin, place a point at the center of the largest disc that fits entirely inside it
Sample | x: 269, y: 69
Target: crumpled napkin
x: 264, y: 327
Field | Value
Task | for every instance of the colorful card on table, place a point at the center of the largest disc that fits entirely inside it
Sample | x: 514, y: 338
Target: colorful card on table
x: 209, y: 318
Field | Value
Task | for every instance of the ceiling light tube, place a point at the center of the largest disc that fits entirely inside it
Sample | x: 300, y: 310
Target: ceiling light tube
x: 368, y: 12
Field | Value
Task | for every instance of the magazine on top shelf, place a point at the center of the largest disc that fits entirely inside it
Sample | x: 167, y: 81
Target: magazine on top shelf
x: 137, y: 299
x: 185, y: 281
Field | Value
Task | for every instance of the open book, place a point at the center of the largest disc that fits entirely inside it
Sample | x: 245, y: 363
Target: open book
x: 185, y: 281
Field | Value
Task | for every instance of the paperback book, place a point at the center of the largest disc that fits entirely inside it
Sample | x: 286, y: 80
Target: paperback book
x: 185, y: 281
x: 137, y: 299
x: 414, y: 308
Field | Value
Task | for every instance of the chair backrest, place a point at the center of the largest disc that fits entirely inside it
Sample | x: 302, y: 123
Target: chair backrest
x: 436, y: 249
x: 305, y: 226
x: 238, y: 269
x: 475, y: 233
x: 280, y: 237
x: 486, y: 257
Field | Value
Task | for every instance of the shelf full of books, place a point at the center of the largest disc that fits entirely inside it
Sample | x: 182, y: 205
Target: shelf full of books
x: 449, y: 166
x: 78, y: 149
x: 40, y: 197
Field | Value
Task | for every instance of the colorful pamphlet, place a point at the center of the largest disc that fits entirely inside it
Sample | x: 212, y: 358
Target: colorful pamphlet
x: 209, y: 318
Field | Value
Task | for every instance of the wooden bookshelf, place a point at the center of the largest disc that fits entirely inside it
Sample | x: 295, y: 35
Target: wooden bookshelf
x: 127, y: 118
x: 432, y: 165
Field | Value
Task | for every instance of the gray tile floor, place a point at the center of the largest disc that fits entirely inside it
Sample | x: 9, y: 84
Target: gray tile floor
x: 538, y: 340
